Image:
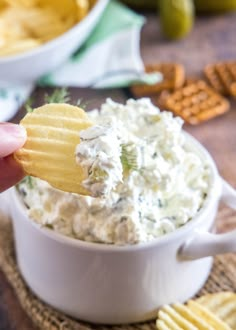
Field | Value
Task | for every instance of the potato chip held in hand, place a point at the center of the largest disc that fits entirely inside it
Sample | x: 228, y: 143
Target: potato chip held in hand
x: 49, y: 152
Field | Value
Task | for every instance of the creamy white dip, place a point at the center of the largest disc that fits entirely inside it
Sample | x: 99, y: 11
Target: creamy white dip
x: 99, y: 154
x: 163, y: 184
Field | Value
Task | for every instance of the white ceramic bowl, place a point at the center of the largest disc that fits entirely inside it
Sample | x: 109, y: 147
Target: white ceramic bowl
x: 121, y: 284
x: 29, y: 66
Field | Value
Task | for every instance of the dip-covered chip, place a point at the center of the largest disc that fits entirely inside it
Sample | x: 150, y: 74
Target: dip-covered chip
x: 67, y: 150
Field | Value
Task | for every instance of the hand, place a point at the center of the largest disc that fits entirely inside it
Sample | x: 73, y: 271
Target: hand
x: 12, y: 137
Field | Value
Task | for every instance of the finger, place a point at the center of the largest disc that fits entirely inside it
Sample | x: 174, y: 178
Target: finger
x: 10, y: 173
x: 12, y: 137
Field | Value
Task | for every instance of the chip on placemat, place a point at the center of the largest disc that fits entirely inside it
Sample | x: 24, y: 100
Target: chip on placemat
x: 49, y: 152
x: 192, y: 316
x: 207, y: 316
x: 222, y: 304
x: 222, y: 76
x: 173, y: 78
x: 196, y: 102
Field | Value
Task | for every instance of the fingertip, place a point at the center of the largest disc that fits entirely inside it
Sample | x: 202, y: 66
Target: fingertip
x: 21, y: 134
x: 12, y: 137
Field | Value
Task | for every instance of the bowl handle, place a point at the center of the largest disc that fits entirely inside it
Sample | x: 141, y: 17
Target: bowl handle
x: 204, y: 244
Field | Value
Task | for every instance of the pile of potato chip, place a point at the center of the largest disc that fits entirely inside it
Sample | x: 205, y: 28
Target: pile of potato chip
x: 209, y: 312
x: 26, y: 24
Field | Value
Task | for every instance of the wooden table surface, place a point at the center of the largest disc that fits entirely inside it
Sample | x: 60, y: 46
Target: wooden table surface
x: 212, y: 39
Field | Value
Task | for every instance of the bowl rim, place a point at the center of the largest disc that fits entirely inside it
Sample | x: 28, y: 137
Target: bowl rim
x: 215, y: 189
x: 99, y: 5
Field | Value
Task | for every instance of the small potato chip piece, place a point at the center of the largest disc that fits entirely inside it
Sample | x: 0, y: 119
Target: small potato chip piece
x: 49, y: 152
x: 222, y: 304
x: 83, y: 8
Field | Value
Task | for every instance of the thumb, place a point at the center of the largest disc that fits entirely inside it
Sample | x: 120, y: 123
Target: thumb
x: 12, y: 137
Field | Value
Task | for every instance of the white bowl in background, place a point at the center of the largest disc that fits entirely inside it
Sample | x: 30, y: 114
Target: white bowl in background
x: 29, y: 66
x: 112, y: 284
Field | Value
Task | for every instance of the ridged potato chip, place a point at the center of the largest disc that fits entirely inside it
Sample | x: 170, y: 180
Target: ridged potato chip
x: 208, y: 316
x: 165, y: 321
x: 161, y: 325
x: 179, y: 317
x: 222, y: 304
x: 49, y: 152
x: 192, y: 316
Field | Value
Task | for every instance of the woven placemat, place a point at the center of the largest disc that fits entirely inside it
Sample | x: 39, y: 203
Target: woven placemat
x: 222, y: 278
